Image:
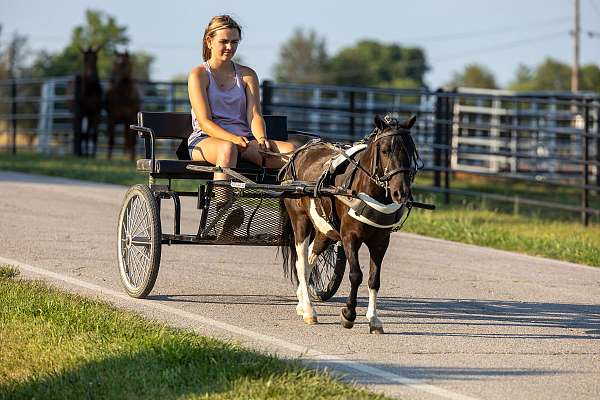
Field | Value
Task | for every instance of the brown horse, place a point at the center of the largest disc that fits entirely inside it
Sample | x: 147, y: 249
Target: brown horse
x: 380, y: 174
x: 87, y: 104
x: 122, y: 103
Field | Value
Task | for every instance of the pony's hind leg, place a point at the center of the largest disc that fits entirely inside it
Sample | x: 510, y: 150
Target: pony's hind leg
x: 315, y: 248
x: 377, y: 250
x: 303, y: 269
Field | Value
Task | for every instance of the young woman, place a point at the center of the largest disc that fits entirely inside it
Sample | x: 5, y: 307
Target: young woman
x: 225, y: 100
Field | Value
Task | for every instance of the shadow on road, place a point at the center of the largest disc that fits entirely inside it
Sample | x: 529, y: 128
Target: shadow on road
x: 574, y: 321
x: 498, y: 313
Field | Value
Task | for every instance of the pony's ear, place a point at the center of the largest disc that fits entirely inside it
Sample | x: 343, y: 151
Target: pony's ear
x: 379, y: 122
x: 409, y: 122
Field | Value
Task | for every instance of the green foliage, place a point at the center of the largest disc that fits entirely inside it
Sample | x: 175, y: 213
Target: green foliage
x: 302, y: 59
x: 555, y: 75
x: 474, y: 76
x: 371, y: 63
x: 99, y: 30
x: 13, y: 55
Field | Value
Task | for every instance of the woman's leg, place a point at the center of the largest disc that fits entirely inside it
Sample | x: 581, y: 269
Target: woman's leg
x: 218, y: 152
x: 253, y: 155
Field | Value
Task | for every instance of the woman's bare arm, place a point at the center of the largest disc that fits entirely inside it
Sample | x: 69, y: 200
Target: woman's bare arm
x: 253, y: 111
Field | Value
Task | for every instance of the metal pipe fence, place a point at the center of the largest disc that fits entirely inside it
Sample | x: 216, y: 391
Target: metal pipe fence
x: 540, y: 149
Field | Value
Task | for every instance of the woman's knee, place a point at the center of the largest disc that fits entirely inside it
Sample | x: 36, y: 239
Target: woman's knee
x: 227, y: 153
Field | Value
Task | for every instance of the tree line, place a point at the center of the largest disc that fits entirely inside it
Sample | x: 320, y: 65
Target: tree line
x: 303, y: 58
x: 99, y: 29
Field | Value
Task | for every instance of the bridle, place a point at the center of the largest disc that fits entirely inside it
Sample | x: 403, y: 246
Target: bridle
x: 411, y: 154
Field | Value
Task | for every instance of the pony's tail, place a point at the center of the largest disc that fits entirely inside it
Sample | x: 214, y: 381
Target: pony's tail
x: 288, y: 247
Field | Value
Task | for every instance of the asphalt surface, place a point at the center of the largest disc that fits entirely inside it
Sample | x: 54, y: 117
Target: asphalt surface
x: 461, y: 321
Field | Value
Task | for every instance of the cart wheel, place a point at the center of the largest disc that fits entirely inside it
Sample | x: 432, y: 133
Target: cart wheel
x: 139, y: 241
x: 328, y: 273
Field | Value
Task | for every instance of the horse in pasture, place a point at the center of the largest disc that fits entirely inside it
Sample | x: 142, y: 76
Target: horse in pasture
x: 87, y: 104
x: 122, y: 103
x: 380, y: 171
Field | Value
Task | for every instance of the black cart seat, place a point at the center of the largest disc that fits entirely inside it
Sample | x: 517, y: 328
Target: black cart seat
x: 177, y: 126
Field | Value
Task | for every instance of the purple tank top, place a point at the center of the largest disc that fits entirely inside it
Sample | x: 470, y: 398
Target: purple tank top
x: 227, y: 106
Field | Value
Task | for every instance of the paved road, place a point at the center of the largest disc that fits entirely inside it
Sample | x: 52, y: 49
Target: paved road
x: 461, y: 321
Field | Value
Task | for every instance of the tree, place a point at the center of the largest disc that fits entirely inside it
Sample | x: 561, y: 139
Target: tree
x: 302, y: 59
x: 555, y: 75
x: 370, y: 63
x: 13, y: 56
x: 590, y: 78
x: 474, y: 76
x: 99, y: 30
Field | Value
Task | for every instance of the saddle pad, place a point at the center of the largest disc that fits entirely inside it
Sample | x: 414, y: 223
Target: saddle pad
x: 340, y: 160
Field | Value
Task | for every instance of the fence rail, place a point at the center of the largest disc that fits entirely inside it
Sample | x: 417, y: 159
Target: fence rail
x: 542, y: 139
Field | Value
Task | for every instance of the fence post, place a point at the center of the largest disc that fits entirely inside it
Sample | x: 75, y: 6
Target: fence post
x: 171, y: 97
x: 77, y: 145
x: 597, y: 125
x: 267, y: 97
x: 586, y: 168
x: 352, y: 110
x: 449, y: 116
x: 13, y: 112
x: 439, y: 131
x: 46, y: 116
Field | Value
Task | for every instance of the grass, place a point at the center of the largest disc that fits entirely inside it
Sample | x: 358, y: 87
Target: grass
x: 534, y: 231
x: 63, y: 346
x: 529, y: 234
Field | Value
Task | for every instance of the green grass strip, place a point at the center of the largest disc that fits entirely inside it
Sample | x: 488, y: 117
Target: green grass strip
x: 62, y: 346
x: 539, y: 232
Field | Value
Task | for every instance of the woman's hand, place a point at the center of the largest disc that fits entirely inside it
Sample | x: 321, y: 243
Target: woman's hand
x: 263, y: 144
x: 242, y: 143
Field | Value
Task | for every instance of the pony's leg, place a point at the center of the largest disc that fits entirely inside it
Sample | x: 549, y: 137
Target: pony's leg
x: 303, y: 269
x: 317, y: 247
x: 77, y: 121
x: 93, y: 129
x: 351, y: 246
x: 377, y: 249
x: 110, y: 130
x: 302, y: 227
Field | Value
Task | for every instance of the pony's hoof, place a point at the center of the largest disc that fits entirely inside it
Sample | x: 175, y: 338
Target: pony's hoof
x: 311, y: 320
x: 299, y: 310
x: 378, y: 330
x: 346, y: 323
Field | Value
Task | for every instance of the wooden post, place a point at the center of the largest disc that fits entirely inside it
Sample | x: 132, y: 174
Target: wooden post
x: 13, y: 113
x: 267, y: 97
x: 585, y: 202
x: 439, y: 131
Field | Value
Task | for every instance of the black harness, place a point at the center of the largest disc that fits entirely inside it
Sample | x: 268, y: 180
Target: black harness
x: 380, y: 175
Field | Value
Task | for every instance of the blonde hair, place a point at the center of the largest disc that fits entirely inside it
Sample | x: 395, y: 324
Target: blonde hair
x: 216, y: 24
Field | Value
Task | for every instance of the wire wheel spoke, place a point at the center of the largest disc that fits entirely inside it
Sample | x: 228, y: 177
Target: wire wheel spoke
x: 136, y: 241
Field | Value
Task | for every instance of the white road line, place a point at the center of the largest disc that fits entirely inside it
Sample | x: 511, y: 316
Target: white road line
x: 306, y: 353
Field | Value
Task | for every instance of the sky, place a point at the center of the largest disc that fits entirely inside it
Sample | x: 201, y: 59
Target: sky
x: 497, y: 34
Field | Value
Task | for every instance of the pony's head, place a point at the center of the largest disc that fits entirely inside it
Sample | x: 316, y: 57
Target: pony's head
x: 394, y: 157
x: 90, y: 61
x: 121, y: 67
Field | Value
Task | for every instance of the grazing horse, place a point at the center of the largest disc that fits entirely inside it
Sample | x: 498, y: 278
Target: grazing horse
x: 380, y: 173
x: 87, y: 104
x: 122, y: 103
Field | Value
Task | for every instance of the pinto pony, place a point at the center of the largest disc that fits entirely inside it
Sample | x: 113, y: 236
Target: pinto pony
x: 87, y: 104
x: 122, y: 103
x: 380, y: 173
